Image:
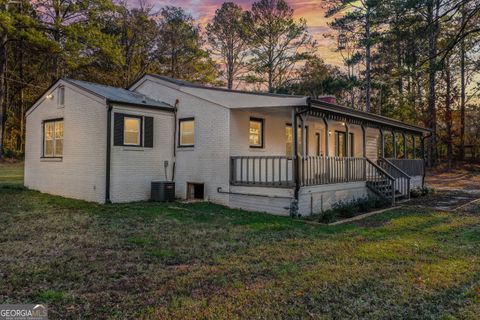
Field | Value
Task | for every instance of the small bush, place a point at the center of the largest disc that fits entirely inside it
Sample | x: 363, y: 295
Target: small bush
x: 421, y: 192
x: 328, y: 216
x: 346, y: 209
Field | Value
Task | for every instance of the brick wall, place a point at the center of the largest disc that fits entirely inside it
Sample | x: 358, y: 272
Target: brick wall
x: 81, y: 172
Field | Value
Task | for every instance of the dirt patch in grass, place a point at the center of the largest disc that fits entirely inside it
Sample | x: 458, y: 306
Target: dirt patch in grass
x: 443, y: 199
x: 462, y: 176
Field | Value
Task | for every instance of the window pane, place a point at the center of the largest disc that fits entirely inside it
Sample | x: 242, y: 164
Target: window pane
x: 61, y: 96
x: 255, y: 133
x: 131, y: 131
x: 49, y: 130
x: 48, y: 152
x: 340, y: 144
x: 288, y: 137
x: 187, y: 132
x: 58, y: 147
x: 59, y: 130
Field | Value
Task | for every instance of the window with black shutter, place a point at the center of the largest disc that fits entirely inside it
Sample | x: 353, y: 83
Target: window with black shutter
x: 132, y: 130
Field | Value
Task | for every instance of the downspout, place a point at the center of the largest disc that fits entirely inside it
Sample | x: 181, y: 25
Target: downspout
x: 108, y: 156
x: 423, y: 155
x: 174, y: 138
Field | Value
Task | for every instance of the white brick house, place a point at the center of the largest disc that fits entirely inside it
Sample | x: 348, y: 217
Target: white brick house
x: 235, y: 148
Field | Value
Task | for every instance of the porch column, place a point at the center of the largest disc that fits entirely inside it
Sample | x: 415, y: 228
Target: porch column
x: 364, y: 168
x: 405, y: 156
x: 394, y: 142
x: 304, y: 138
x: 294, y: 146
x: 414, y: 145
x: 422, y: 141
x: 327, y: 138
x: 347, y: 147
x: 382, y: 142
x: 364, y: 141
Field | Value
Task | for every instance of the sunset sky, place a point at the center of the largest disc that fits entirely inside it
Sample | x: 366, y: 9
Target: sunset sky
x: 311, y: 10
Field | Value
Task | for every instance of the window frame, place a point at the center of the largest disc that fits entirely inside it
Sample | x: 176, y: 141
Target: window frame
x: 262, y: 132
x: 140, y: 133
x: 61, y: 93
x: 44, y: 122
x: 318, y: 151
x: 179, y: 142
x: 347, y: 153
x: 306, y: 139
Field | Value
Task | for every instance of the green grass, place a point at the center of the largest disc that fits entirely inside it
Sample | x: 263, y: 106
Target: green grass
x: 11, y: 173
x: 198, y: 261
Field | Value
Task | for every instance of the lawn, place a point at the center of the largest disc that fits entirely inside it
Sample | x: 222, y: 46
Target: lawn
x: 150, y: 260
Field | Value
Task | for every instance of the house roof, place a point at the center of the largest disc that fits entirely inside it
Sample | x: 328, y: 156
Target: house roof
x: 335, y: 111
x: 119, y: 95
x: 199, y: 86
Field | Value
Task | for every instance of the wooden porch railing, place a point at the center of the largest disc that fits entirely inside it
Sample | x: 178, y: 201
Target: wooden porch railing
x: 380, y: 181
x: 278, y: 171
x: 262, y: 171
x: 412, y: 167
x: 402, y: 179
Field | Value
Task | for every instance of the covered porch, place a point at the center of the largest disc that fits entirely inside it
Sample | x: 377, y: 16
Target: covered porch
x: 332, y: 145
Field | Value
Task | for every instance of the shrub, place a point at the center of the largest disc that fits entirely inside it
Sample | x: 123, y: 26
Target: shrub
x: 421, y: 191
x: 328, y: 216
x: 351, y: 208
x: 346, y: 209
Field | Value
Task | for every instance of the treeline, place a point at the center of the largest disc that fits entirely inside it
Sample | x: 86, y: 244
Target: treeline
x: 415, y: 60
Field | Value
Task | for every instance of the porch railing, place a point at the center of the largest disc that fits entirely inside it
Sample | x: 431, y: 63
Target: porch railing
x: 316, y: 170
x: 278, y: 171
x: 380, y: 181
x: 412, y: 167
x: 402, y: 179
x: 266, y: 171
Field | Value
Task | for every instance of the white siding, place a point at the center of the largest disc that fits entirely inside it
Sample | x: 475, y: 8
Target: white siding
x: 208, y: 161
x: 81, y: 172
x: 134, y: 168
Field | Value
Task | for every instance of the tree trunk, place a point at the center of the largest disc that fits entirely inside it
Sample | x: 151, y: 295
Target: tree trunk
x: 462, y: 93
x: 3, y: 105
x: 368, y: 59
x: 448, y: 114
x: 432, y: 61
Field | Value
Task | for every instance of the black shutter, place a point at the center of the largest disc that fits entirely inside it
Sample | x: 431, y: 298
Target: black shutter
x: 118, y: 129
x: 148, y: 132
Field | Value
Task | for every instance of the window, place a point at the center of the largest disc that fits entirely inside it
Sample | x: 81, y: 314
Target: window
x: 256, y: 133
x: 131, y: 131
x: 340, y: 144
x: 53, y: 138
x: 61, y: 96
x: 186, y: 133
x: 288, y: 136
x: 317, y: 144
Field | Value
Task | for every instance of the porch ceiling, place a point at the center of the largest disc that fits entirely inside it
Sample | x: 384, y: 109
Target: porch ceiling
x: 332, y: 111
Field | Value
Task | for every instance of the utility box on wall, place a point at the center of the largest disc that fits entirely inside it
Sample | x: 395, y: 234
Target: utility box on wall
x: 163, y: 191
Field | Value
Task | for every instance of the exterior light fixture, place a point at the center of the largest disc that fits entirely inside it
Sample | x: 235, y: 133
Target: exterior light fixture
x: 49, y: 96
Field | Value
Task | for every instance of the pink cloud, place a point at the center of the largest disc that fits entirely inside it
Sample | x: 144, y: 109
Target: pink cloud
x: 313, y: 11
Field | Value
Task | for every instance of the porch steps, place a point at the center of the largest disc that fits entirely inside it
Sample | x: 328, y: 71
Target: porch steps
x: 383, y: 188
